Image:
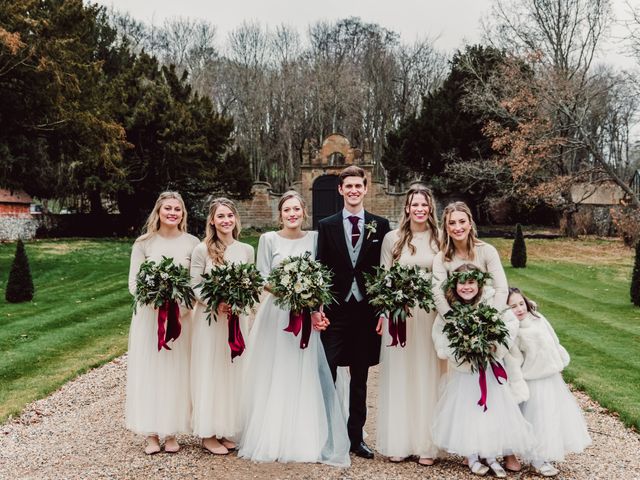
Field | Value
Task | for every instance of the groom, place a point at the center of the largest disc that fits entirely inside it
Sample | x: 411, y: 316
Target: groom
x: 349, y: 244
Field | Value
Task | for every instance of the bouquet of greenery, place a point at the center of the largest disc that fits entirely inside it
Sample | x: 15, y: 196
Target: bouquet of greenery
x: 236, y: 284
x: 473, y: 332
x: 301, y: 284
x: 395, y: 291
x: 163, y: 285
x: 239, y: 286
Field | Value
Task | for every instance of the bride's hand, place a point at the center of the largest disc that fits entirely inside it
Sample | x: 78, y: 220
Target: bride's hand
x: 319, y: 320
x: 379, y: 325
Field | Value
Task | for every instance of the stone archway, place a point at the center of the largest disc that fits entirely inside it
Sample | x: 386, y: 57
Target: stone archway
x: 326, y: 199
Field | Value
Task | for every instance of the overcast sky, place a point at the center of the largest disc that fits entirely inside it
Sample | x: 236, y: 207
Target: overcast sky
x: 453, y: 22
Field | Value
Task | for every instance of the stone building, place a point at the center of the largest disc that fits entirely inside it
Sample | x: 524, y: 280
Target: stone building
x: 16, y: 220
x: 318, y: 184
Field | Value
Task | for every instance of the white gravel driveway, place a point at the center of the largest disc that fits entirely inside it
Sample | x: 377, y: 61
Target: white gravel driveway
x: 78, y: 433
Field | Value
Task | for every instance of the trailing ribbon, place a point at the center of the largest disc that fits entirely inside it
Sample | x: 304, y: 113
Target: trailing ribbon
x: 300, y: 321
x: 236, y: 340
x: 498, y: 372
x: 169, y: 314
x: 398, y: 332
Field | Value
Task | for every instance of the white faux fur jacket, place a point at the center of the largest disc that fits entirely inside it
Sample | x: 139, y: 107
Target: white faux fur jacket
x: 441, y: 343
x: 541, y: 352
x: 535, y: 354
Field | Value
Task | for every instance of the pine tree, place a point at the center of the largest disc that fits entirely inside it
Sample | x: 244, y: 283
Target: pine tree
x: 635, y: 279
x: 20, y: 283
x: 519, y: 250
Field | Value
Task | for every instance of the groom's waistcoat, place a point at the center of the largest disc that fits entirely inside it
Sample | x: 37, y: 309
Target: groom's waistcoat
x: 348, y: 263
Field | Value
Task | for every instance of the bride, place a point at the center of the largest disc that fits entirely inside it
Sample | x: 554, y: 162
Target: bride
x: 292, y: 412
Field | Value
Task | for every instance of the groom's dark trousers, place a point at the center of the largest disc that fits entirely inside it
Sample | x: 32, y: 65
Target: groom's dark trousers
x: 351, y: 339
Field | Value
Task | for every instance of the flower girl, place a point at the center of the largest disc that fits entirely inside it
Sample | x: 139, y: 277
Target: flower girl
x: 474, y: 337
x: 551, y: 408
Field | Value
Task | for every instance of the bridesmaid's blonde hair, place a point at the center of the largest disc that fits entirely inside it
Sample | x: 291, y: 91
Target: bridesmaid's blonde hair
x: 153, y: 221
x: 446, y: 244
x: 405, y: 235
x: 287, y: 196
x: 215, y: 246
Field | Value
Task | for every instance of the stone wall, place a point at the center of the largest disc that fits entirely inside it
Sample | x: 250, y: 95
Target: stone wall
x: 262, y: 210
x: 14, y: 228
x: 595, y: 220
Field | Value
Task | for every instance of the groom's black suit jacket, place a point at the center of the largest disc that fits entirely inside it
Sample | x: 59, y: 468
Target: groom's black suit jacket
x: 351, y: 336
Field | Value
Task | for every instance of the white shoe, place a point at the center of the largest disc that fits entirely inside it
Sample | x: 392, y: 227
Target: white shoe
x: 497, y: 470
x: 479, y: 468
x: 547, y: 470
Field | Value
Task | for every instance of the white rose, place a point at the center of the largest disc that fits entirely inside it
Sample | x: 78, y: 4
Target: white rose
x: 164, y: 275
x: 298, y: 287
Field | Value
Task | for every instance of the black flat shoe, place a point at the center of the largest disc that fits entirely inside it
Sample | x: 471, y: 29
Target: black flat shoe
x: 362, y: 450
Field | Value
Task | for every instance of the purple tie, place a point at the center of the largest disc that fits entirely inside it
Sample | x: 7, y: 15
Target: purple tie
x: 355, y: 231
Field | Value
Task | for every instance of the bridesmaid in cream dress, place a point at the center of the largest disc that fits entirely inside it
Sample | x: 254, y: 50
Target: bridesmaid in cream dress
x: 158, y: 404
x: 460, y: 245
x: 409, y: 376
x: 216, y: 381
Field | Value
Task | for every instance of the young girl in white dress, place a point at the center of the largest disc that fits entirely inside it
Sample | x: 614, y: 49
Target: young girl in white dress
x: 158, y: 401
x: 409, y: 375
x: 291, y: 411
x: 462, y: 426
x: 551, y: 408
x: 216, y: 380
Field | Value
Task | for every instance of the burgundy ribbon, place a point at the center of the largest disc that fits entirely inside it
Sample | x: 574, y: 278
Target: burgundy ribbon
x: 498, y: 372
x: 236, y: 340
x: 398, y: 332
x: 300, y: 321
x: 169, y: 314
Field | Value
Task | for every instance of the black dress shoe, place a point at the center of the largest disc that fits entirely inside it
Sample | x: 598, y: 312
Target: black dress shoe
x: 361, y: 450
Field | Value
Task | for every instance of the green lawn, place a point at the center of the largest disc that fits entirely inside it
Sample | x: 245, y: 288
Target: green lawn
x: 583, y: 289
x: 81, y: 313
x: 79, y: 318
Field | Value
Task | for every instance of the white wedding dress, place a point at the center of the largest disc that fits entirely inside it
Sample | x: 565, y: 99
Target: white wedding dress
x: 291, y: 408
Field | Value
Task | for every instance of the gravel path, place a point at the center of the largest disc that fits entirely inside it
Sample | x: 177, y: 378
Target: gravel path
x: 78, y: 433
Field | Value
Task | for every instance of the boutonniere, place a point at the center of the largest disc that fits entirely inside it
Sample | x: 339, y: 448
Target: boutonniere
x: 371, y: 227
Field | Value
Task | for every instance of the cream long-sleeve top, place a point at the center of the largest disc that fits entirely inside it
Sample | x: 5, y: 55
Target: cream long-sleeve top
x: 201, y: 263
x: 426, y: 250
x: 445, y: 352
x: 155, y: 247
x: 486, y: 259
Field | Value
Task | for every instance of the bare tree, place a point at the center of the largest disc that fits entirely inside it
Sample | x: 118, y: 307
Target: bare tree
x: 563, y: 117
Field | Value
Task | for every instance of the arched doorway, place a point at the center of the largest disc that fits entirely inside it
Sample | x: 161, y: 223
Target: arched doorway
x: 326, y: 199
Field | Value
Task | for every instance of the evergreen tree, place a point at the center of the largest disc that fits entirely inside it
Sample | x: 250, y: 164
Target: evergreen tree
x: 519, y: 250
x: 20, y: 283
x: 635, y: 279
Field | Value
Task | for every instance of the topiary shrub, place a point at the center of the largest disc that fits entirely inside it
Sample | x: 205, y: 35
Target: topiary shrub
x: 20, y: 283
x: 519, y: 250
x: 635, y: 279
